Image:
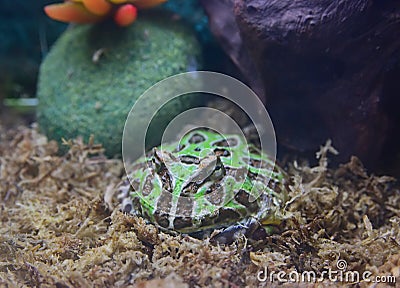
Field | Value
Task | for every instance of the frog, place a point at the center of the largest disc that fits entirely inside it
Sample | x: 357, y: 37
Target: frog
x: 207, y: 184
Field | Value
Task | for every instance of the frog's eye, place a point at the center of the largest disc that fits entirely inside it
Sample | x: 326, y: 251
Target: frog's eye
x: 157, y: 164
x: 218, y: 167
x: 197, y: 149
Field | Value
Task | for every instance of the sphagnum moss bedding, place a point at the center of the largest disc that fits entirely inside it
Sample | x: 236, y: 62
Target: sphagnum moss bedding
x: 61, y: 226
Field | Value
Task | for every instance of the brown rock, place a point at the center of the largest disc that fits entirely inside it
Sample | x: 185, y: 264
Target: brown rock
x: 327, y: 68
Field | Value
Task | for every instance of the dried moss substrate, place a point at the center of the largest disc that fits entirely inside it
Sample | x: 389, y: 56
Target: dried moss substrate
x: 59, y: 227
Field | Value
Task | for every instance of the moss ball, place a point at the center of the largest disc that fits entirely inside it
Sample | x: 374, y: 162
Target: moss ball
x: 93, y: 74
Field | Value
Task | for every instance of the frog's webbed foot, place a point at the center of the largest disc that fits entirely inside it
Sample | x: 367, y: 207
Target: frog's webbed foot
x: 252, y: 229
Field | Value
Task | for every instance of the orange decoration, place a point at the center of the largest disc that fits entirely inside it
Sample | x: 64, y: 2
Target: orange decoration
x: 121, y: 1
x: 125, y: 15
x: 124, y: 12
x: 98, y: 7
x: 70, y: 12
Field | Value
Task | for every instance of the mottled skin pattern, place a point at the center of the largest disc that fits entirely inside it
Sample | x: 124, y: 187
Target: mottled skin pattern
x: 203, y: 182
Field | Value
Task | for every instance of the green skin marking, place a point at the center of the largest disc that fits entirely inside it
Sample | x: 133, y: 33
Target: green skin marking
x: 205, y: 181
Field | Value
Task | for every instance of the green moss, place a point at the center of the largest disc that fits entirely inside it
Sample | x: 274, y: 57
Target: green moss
x: 79, y: 96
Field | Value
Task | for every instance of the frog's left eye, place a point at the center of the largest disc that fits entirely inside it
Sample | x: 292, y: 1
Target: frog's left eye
x: 197, y: 149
